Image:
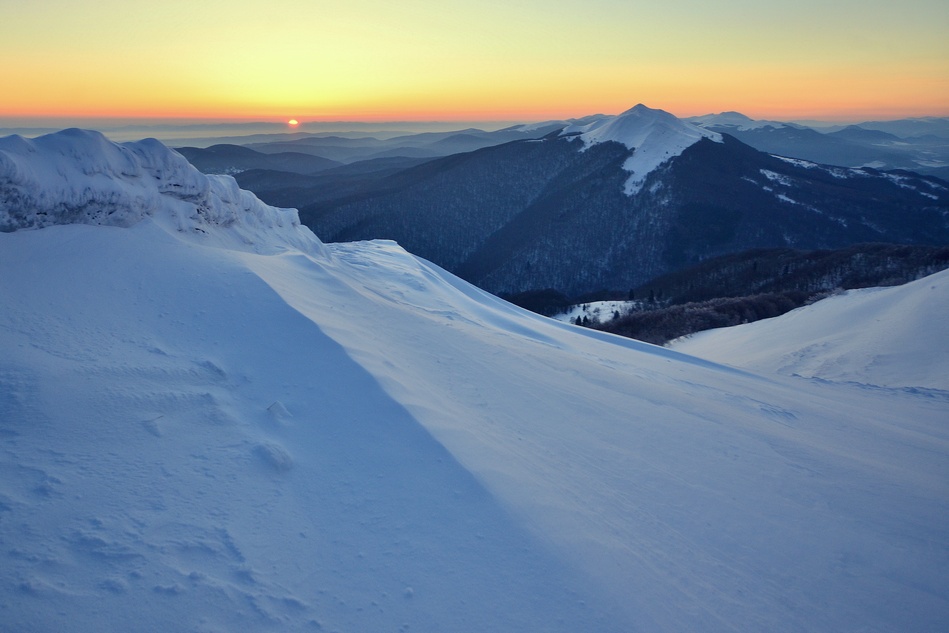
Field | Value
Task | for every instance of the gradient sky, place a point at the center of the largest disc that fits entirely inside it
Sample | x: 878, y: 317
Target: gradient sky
x: 452, y: 60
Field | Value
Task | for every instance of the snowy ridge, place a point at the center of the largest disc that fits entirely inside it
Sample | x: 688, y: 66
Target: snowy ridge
x: 655, y: 136
x: 81, y: 177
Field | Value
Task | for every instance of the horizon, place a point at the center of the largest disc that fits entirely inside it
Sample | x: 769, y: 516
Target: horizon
x: 180, y: 129
x: 373, y: 62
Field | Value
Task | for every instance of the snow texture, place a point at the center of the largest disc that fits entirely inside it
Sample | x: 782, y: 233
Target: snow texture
x: 654, y: 136
x: 200, y: 436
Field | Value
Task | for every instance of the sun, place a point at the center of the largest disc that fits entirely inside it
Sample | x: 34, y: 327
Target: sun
x: 293, y: 123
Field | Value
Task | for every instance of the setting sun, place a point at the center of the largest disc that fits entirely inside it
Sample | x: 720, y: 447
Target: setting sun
x: 293, y: 123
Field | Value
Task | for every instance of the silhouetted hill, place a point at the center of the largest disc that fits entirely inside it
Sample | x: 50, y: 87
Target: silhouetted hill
x: 231, y: 159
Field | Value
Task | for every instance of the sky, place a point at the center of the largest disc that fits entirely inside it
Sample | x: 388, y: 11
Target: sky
x: 516, y: 60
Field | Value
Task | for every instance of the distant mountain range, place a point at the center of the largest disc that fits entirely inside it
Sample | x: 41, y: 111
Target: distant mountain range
x: 616, y: 202
x: 348, y: 149
x: 231, y: 159
x: 604, y: 201
x: 919, y: 145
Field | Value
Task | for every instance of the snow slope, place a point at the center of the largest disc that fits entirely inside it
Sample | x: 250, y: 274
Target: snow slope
x: 654, y: 136
x: 203, y: 436
x: 887, y: 337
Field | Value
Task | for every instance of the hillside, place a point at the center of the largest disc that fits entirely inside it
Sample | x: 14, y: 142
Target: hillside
x: 882, y: 337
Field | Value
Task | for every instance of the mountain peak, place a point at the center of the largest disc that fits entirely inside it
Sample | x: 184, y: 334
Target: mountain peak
x: 81, y: 177
x: 653, y: 135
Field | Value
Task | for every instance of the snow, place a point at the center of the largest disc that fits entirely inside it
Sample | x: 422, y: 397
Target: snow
x: 806, y: 164
x: 885, y: 337
x: 79, y: 176
x: 199, y: 435
x: 836, y: 172
x: 600, y: 311
x: 776, y: 177
x: 654, y: 136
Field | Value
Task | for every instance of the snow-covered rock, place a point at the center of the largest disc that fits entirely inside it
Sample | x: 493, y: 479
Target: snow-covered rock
x: 654, y: 136
x: 80, y: 177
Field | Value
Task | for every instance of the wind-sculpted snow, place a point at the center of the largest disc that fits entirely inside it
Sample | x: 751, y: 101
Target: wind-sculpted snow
x: 655, y: 136
x: 80, y: 177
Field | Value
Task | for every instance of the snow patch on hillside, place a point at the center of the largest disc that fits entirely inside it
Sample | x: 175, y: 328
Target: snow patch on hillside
x: 836, y: 172
x: 654, y: 136
x: 81, y: 177
x: 597, y: 311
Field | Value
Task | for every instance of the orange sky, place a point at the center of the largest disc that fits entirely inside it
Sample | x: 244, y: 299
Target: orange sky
x: 512, y: 60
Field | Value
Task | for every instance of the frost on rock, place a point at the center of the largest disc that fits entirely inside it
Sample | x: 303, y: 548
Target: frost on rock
x: 654, y: 136
x: 81, y: 177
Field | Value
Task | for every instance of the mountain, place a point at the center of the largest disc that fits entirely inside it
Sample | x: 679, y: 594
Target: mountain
x: 581, y: 210
x: 209, y: 420
x: 652, y: 137
x: 870, y: 144
x: 232, y: 159
x: 285, y: 189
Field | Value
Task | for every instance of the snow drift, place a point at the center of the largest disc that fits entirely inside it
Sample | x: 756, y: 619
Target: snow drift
x: 198, y: 434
